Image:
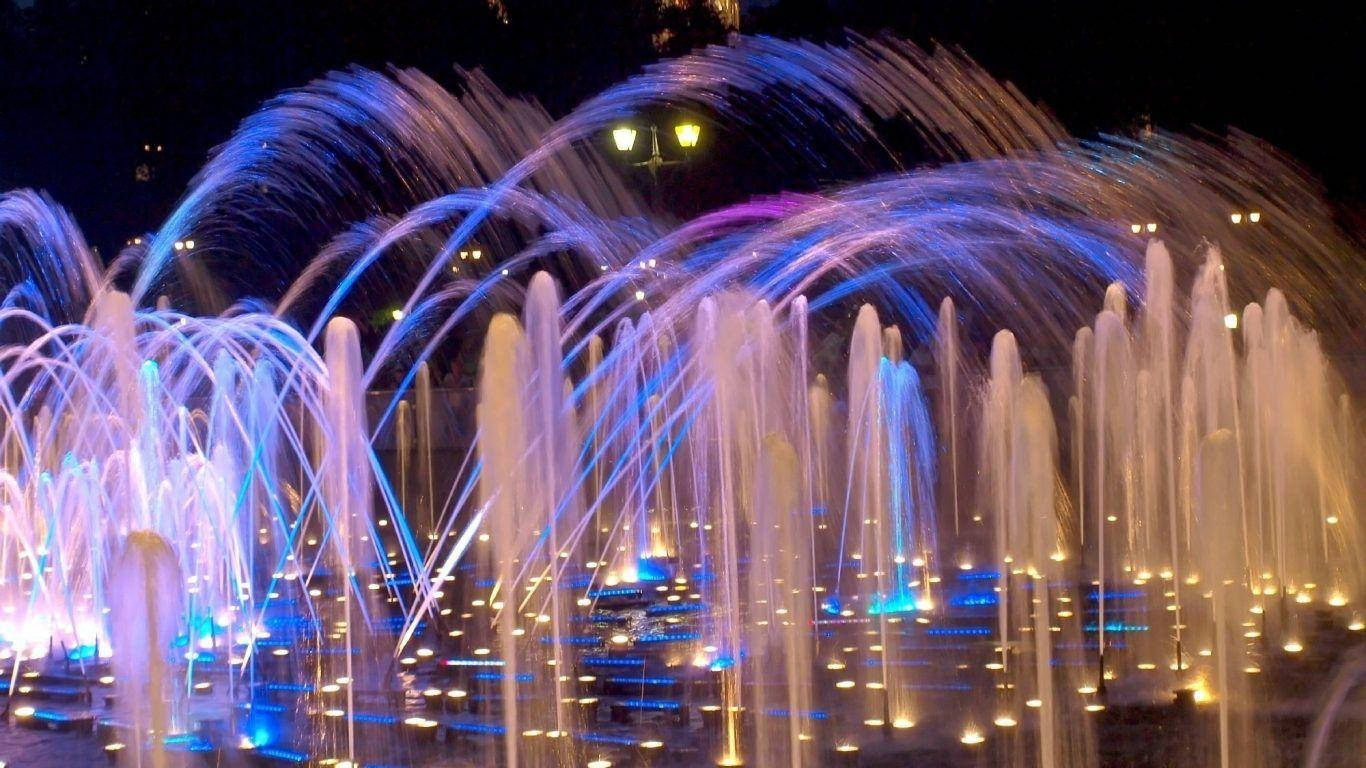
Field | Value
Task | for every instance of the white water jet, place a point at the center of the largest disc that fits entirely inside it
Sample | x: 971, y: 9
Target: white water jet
x: 145, y: 612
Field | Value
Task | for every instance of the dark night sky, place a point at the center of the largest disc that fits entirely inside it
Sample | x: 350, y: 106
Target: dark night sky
x: 89, y: 82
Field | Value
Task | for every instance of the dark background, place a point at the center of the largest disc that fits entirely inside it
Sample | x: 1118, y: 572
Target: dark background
x: 85, y: 85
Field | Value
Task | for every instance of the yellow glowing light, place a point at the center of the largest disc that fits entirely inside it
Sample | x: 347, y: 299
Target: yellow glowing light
x: 972, y: 736
x: 23, y: 712
x: 1152, y: 227
x: 1236, y: 218
x: 902, y: 723
x: 845, y: 684
x: 652, y: 744
x: 1356, y: 625
x: 688, y: 134
x: 1254, y: 217
x: 1231, y: 320
x: 624, y: 138
x: 846, y: 747
x: 1200, y: 692
x: 1034, y: 703
x: 874, y: 722
x: 1293, y: 646
x: 1005, y: 721
x: 397, y: 315
x: 1094, y: 707
x: 1136, y: 228
x: 1337, y: 600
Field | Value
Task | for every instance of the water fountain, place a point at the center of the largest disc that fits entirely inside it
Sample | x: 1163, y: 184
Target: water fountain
x: 733, y: 491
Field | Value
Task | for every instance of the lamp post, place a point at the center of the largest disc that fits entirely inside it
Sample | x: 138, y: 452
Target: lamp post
x: 624, y: 139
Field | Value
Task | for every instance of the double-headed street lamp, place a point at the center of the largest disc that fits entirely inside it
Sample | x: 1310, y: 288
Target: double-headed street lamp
x: 624, y: 138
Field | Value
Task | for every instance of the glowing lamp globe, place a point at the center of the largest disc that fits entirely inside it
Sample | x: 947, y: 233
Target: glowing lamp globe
x: 688, y: 134
x: 624, y: 139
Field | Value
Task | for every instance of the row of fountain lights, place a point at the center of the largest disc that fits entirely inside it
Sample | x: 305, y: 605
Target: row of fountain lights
x: 971, y: 736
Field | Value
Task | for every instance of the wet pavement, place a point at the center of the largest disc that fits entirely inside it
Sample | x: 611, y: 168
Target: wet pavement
x: 28, y: 748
